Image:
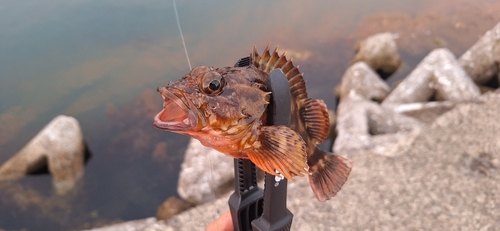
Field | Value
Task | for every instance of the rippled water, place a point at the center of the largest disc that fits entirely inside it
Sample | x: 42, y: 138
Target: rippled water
x: 101, y: 61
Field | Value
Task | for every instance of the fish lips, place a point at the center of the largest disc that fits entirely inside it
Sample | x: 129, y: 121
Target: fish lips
x: 176, y: 115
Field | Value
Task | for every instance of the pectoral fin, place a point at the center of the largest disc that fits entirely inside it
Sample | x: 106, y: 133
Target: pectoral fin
x: 281, y: 149
x: 316, y: 119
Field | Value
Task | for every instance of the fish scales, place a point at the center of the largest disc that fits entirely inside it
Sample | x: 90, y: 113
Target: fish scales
x: 225, y: 108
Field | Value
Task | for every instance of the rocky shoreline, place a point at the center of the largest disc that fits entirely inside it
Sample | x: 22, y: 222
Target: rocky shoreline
x: 426, y: 153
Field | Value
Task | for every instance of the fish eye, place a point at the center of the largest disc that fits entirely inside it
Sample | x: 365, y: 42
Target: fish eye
x: 212, y: 83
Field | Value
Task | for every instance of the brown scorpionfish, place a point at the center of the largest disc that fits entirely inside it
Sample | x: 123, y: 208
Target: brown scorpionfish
x: 225, y: 109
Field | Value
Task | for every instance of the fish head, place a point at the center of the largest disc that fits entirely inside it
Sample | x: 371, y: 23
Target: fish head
x: 220, y: 103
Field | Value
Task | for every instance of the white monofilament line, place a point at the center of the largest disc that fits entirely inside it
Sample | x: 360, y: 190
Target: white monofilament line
x: 182, y: 36
x: 189, y: 63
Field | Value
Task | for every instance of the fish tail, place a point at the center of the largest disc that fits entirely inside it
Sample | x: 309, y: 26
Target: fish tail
x: 328, y: 173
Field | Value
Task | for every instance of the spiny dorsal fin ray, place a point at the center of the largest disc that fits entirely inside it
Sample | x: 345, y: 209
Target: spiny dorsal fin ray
x: 315, y: 116
x: 287, y: 66
x: 316, y: 119
x: 293, y: 72
x: 281, y: 149
x: 265, y: 58
x: 281, y: 60
x: 272, y: 61
x: 269, y: 61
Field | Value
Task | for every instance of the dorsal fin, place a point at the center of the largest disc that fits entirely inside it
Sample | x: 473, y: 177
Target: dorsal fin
x: 269, y: 61
x: 314, y: 114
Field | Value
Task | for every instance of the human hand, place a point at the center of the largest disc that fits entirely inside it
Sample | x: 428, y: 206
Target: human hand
x: 223, y: 223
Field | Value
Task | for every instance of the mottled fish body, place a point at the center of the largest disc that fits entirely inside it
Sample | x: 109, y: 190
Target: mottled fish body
x: 225, y: 108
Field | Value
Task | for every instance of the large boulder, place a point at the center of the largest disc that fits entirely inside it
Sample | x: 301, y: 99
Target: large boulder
x: 59, y: 146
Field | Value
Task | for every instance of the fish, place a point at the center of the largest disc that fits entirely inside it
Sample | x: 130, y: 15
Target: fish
x: 225, y: 109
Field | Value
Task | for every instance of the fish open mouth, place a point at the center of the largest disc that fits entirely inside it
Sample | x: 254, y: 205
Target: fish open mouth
x: 176, y: 115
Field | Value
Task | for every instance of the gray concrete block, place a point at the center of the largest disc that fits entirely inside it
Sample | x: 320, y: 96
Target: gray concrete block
x: 60, y: 146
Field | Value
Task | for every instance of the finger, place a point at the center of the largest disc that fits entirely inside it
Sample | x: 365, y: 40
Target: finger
x: 223, y: 223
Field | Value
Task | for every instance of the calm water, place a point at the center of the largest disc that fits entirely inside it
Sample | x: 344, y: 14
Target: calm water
x: 101, y: 61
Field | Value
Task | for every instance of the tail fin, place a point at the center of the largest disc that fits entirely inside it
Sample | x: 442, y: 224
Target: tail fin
x: 328, y: 173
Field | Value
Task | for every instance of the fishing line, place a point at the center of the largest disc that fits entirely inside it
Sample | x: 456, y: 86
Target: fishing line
x: 189, y: 63
x: 182, y: 36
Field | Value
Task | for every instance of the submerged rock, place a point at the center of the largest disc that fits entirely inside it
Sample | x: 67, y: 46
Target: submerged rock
x: 171, y: 207
x: 59, y: 146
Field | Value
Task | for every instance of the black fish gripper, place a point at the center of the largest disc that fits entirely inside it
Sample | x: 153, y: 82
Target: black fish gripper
x: 251, y: 207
